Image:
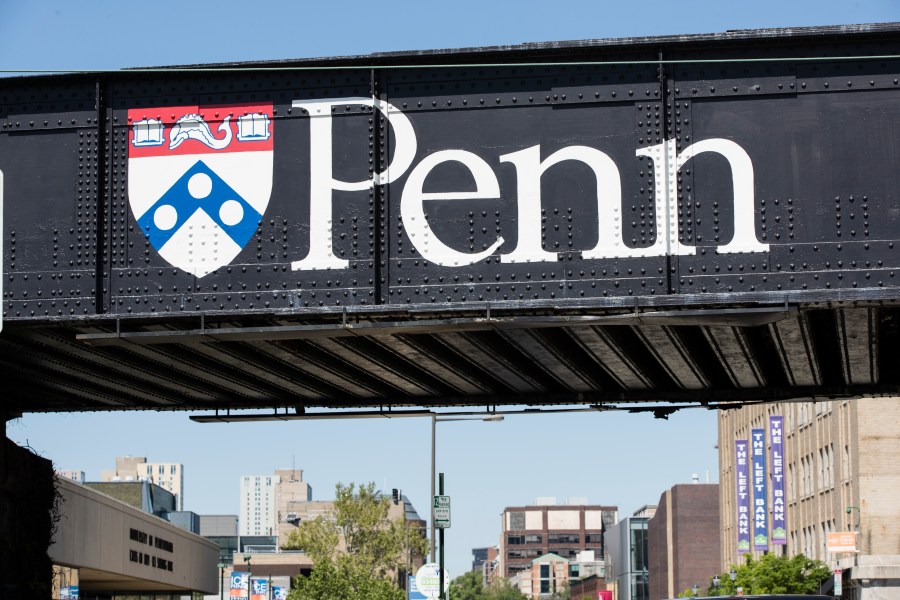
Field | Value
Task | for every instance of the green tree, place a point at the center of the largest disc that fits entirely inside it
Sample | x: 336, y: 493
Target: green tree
x: 773, y: 574
x: 357, y: 551
x: 470, y: 586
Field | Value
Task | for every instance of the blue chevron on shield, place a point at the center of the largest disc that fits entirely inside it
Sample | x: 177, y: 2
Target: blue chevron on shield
x: 199, y: 180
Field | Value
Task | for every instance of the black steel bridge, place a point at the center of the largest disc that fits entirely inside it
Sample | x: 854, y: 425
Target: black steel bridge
x: 694, y: 219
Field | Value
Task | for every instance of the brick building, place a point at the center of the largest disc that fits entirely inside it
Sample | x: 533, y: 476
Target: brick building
x: 530, y: 532
x: 683, y: 547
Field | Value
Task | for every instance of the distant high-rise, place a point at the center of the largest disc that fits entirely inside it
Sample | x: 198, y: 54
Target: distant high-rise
x: 257, y: 515
x: 266, y: 500
x: 169, y: 476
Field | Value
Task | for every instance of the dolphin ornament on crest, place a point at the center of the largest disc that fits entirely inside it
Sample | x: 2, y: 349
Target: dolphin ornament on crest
x: 193, y: 127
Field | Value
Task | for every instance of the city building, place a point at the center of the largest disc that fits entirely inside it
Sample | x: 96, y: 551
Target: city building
x: 268, y: 501
x: 223, y: 530
x: 142, y: 495
x: 169, y: 476
x: 551, y: 575
x: 831, y: 467
x: 543, y: 577
x: 683, y: 540
x: 530, y: 532
x: 626, y: 556
x: 257, y: 510
x: 76, y: 476
x: 483, y: 555
x: 105, y: 548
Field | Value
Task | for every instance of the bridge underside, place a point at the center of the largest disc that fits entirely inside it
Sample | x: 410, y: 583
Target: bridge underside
x: 609, y: 359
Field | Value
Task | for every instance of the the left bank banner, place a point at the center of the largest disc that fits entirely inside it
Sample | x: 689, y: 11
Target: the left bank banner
x: 240, y: 586
x: 776, y: 461
x: 742, y: 459
x: 758, y: 481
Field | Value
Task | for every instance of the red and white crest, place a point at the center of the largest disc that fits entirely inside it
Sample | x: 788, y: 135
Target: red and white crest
x: 199, y: 180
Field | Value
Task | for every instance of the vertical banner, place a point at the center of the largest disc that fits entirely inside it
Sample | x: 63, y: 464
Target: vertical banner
x: 259, y: 589
x: 240, y: 586
x: 760, y: 508
x: 743, y: 496
x: 776, y: 435
x: 279, y: 592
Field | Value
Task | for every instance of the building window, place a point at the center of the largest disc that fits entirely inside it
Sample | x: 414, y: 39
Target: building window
x: 513, y: 540
x: 846, y: 463
x: 545, y: 579
x: 517, y: 520
x: 533, y: 539
x: 593, y: 538
x: 564, y: 538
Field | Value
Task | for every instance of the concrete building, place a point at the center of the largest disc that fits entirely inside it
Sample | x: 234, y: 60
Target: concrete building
x: 76, y: 476
x: 110, y: 550
x: 550, y: 575
x: 530, y: 532
x: 543, y: 577
x: 257, y: 512
x: 841, y: 470
x: 626, y: 556
x: 483, y: 555
x: 268, y: 501
x: 143, y: 495
x: 169, y: 476
x: 683, y: 540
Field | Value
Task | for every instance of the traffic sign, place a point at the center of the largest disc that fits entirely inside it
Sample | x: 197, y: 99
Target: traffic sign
x: 441, y: 512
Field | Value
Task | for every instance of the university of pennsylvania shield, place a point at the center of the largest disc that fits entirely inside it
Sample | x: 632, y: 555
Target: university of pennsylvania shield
x: 199, y: 180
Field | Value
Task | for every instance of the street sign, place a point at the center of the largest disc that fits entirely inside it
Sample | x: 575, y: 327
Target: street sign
x: 441, y: 512
x: 838, y: 587
x: 428, y: 580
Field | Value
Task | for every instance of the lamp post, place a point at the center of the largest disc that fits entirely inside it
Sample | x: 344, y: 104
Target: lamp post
x: 733, y: 575
x: 715, y: 582
x: 221, y: 579
x: 247, y: 558
x: 694, y: 589
x: 435, y: 419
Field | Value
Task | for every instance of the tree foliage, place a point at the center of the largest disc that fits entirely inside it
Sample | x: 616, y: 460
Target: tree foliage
x: 357, y: 551
x: 470, y: 586
x: 773, y: 574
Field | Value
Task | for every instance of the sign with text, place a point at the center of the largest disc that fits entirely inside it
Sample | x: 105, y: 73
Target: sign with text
x: 418, y: 185
x: 742, y: 458
x: 776, y: 456
x: 442, y: 512
x: 758, y: 483
x: 428, y: 580
x: 240, y: 586
x: 841, y: 541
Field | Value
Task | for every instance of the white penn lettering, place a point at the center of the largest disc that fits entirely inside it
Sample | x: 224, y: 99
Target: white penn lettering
x: 529, y: 171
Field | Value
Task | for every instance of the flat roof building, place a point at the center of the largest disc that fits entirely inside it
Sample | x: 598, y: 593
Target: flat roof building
x: 106, y: 548
x: 529, y: 532
x: 837, y: 466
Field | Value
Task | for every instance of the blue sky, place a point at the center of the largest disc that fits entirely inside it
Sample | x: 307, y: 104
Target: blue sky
x: 614, y: 459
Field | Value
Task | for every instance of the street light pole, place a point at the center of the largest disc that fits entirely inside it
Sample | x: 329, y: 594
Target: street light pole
x: 434, y: 421
x: 221, y: 579
x: 732, y: 574
x: 247, y: 558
